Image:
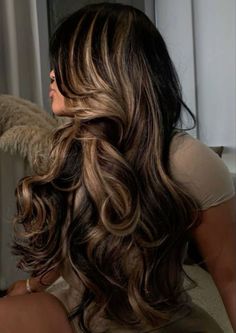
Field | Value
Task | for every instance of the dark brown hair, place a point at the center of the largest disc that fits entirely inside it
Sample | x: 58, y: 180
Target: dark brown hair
x: 108, y: 211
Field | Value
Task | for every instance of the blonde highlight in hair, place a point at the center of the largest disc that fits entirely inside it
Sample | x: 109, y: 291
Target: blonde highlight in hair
x: 108, y: 206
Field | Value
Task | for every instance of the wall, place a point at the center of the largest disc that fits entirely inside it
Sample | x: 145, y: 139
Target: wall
x: 201, y: 36
x: 215, y: 40
x: 174, y: 21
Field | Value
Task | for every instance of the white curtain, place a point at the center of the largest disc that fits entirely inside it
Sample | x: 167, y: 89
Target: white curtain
x: 201, y: 37
x: 21, y: 49
x: 23, y: 59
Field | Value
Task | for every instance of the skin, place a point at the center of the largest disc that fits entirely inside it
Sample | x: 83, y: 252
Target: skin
x: 37, y: 284
x: 57, y: 99
x: 215, y: 237
x: 24, y: 314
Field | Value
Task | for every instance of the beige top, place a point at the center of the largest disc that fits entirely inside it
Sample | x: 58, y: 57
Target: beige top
x: 200, y: 170
x: 204, y: 175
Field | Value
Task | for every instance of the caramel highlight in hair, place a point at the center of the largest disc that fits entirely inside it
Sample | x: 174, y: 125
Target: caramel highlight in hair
x: 108, y: 207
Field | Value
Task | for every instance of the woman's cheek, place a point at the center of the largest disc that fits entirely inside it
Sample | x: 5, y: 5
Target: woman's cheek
x: 57, y: 103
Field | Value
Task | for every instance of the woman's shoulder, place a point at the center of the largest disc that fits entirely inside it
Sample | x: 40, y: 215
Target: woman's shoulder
x: 200, y: 170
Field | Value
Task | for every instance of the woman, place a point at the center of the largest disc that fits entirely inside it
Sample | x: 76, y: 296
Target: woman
x: 125, y: 190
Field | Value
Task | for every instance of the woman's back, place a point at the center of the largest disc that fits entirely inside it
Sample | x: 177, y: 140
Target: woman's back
x: 114, y: 210
x: 192, y: 165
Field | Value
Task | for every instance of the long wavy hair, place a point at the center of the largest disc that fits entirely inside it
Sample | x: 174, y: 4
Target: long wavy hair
x: 108, y: 210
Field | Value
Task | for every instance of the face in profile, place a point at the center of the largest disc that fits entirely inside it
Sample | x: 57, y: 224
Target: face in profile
x: 57, y: 99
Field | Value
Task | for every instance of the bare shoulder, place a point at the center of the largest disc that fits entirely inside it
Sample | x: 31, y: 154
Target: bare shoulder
x: 37, y: 312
